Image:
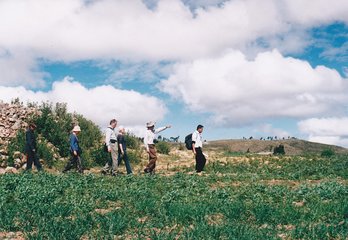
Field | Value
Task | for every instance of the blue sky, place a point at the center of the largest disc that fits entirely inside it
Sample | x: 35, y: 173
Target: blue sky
x: 224, y: 64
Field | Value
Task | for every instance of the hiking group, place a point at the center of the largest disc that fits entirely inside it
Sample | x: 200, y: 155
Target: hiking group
x: 115, y: 146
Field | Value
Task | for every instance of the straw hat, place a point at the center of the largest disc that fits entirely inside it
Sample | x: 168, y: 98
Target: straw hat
x: 150, y: 124
x: 76, y: 129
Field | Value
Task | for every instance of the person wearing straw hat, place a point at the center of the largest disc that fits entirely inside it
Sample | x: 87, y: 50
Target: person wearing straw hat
x: 111, y: 148
x: 75, y: 151
x: 122, y: 150
x: 150, y: 145
x: 30, y: 148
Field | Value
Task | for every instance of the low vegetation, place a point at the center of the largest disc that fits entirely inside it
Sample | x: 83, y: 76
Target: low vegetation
x: 242, y: 197
x: 54, y: 125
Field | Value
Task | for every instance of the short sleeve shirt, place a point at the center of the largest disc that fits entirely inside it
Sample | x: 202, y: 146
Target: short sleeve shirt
x: 197, y: 138
x: 121, y: 140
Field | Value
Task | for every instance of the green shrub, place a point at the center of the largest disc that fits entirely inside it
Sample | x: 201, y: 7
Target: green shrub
x: 163, y: 147
x: 55, y: 125
x: 134, y: 156
x: 16, y: 144
x: 45, y: 153
x: 328, y: 152
x: 132, y: 141
x: 279, y: 150
x: 99, y: 156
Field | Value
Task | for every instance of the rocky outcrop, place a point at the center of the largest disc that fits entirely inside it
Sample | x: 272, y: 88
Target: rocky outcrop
x: 13, y: 117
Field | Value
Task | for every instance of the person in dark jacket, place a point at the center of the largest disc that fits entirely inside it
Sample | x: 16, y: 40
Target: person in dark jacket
x: 122, y: 149
x: 30, y: 148
x: 75, y: 151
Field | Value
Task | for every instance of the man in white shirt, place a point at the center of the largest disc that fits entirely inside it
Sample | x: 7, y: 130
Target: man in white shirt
x: 111, y: 145
x: 197, y: 144
x: 150, y: 145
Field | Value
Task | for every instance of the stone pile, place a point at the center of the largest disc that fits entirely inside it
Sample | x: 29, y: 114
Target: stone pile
x: 13, y: 117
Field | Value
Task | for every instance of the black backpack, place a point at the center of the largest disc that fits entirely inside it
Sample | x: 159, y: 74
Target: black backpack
x: 188, y: 141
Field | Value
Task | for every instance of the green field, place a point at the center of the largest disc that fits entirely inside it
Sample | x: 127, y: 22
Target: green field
x: 244, y: 198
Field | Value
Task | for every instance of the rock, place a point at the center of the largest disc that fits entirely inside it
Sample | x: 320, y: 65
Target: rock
x: 24, y: 159
x: 17, y: 163
x: 2, y: 171
x: 17, y: 125
x: 3, y: 151
x: 17, y: 154
x: 3, y: 164
x: 11, y: 170
x: 12, y: 120
x: 24, y: 166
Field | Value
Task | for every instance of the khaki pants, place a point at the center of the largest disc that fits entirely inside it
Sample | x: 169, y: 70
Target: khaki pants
x: 152, y: 159
x: 112, y: 162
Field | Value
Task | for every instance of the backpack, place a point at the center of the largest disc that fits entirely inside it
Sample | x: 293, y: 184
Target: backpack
x: 188, y: 141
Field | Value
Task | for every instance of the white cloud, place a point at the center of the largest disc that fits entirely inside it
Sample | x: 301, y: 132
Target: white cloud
x: 317, y: 12
x: 20, y: 68
x: 338, y: 54
x: 238, y: 91
x: 74, y: 30
x: 326, y: 130
x: 100, y: 104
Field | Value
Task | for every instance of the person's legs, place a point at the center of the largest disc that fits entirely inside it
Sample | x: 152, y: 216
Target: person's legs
x: 69, y: 164
x: 204, y: 160
x: 152, y: 160
x: 119, y: 159
x: 114, y: 157
x: 108, y: 164
x: 200, y: 160
x: 126, y: 161
x: 79, y: 163
x: 29, y: 161
x: 37, y: 162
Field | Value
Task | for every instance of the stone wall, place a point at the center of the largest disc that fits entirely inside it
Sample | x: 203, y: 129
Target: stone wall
x: 13, y: 117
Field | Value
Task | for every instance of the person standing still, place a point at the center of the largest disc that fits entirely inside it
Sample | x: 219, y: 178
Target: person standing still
x: 150, y: 145
x: 30, y: 148
x: 111, y: 144
x: 75, y: 151
x: 122, y: 149
x: 197, y: 144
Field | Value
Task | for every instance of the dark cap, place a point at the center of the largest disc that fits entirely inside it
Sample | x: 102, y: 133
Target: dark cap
x: 32, y: 125
x: 199, y: 126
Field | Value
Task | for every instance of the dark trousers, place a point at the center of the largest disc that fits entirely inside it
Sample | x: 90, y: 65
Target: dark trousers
x: 126, y: 161
x: 200, y: 160
x: 152, y: 159
x: 75, y: 161
x: 32, y: 158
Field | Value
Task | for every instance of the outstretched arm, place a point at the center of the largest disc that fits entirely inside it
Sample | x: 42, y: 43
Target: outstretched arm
x: 162, y: 129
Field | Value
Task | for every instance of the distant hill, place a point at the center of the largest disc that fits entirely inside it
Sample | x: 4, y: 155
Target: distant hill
x: 292, y: 146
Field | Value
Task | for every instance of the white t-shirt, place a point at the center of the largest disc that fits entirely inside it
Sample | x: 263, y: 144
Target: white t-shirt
x: 110, y: 134
x: 150, y: 136
x: 197, y: 138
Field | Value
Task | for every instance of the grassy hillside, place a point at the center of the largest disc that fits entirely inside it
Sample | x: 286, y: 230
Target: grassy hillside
x: 292, y: 146
x: 239, y: 197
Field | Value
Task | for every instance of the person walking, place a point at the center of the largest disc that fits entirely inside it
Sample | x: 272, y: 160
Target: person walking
x: 30, y: 148
x: 197, y: 144
x: 150, y: 145
x: 122, y: 149
x: 75, y: 151
x: 111, y: 146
